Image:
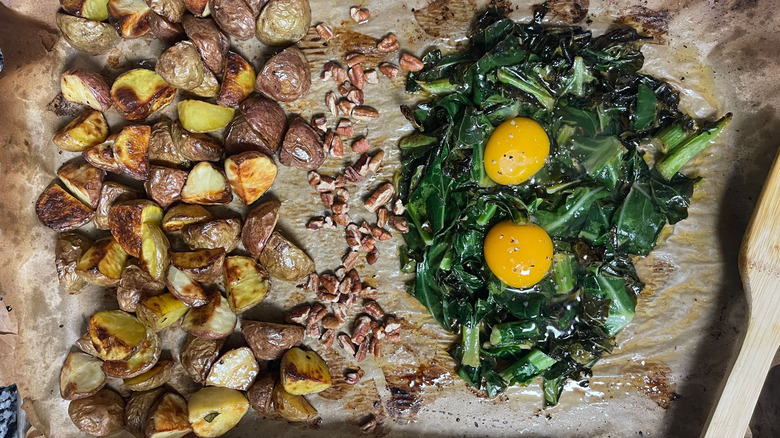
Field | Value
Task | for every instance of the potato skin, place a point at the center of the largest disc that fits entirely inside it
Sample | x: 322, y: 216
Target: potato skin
x: 60, y: 211
x: 171, y: 10
x: 267, y: 118
x: 162, y: 149
x: 283, y: 22
x: 235, y: 18
x: 68, y: 250
x: 135, y: 284
x: 302, y: 147
x: 76, y: 79
x: 93, y: 37
x: 164, y: 30
x: 238, y: 79
x: 220, y: 233
x: 129, y: 17
x: 99, y: 415
x: 180, y: 65
x: 259, y: 226
x: 241, y: 137
x: 282, y: 259
x: 212, y: 44
x: 164, y: 185
x: 138, y: 407
x: 268, y: 340
x: 286, y: 77
x: 195, y: 146
x: 260, y: 394
x: 205, y: 265
x: 197, y: 356
x: 111, y: 193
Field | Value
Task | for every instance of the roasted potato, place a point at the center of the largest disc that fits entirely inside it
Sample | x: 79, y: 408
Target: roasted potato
x: 135, y: 284
x: 246, y: 283
x: 241, y: 137
x: 155, y: 250
x: 137, y: 410
x: 268, y: 340
x: 82, y: 376
x: 250, y: 175
x: 83, y: 132
x: 131, y: 148
x: 302, y: 147
x: 286, y: 77
x: 206, y: 185
x: 214, y: 320
x: 140, y: 362
x: 200, y: 116
x: 165, y: 184
x: 256, y: 6
x: 96, y: 10
x: 157, y: 376
x: 189, y: 291
x: 102, y: 155
x: 284, y: 260
x: 84, y: 343
x: 139, y: 93
x: 213, y: 45
x: 111, y: 193
x: 85, y: 35
x: 292, y: 407
x: 68, y: 250
x: 235, y: 369
x: 209, y: 87
x: 86, y: 87
x: 60, y: 211
x: 126, y: 219
x: 166, y: 31
x: 204, y: 265
x: 260, y: 224
x: 171, y: 10
x: 181, y: 215
x: 103, y: 263
x: 267, y: 118
x: 193, y: 146
x: 168, y: 417
x: 238, y: 78
x: 83, y: 180
x: 129, y: 17
x: 199, y: 8
x: 163, y: 151
x: 260, y: 395
x: 101, y: 414
x: 160, y: 311
x: 181, y: 65
x: 283, y: 22
x: 303, y: 372
x: 234, y: 17
x: 214, y: 411
x: 219, y: 233
x: 198, y: 355
x: 116, y: 335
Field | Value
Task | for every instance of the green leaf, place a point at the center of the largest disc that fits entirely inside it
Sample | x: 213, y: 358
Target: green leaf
x: 601, y: 158
x: 638, y: 220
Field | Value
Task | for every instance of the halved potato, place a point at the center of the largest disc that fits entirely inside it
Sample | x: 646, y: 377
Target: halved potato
x: 60, y: 211
x: 209, y: 87
x: 111, y: 193
x: 235, y: 369
x: 134, y: 286
x: 198, y: 355
x: 101, y: 414
x: 157, y: 376
x: 267, y: 118
x: 81, y: 376
x: 84, y: 180
x: 260, y: 395
x: 83, y: 132
x: 290, y: 406
x: 181, y: 215
x: 140, y: 362
x: 235, y: 17
x: 95, y: 10
x: 84, y: 343
x: 168, y: 418
x: 213, y: 45
x: 238, y: 80
x: 102, y: 155
x: 126, y: 219
x: 246, y: 283
x: 260, y: 224
x: 304, y: 372
x: 103, y: 263
x: 129, y: 17
x: 250, y: 175
x: 206, y: 185
x: 138, y: 408
x: 86, y: 87
x: 116, y: 335
x: 163, y: 151
x: 284, y: 260
x: 269, y: 340
x: 200, y: 116
x: 180, y: 65
x: 68, y: 250
x: 86, y: 35
x: 189, y: 291
x: 155, y: 250
x: 214, y: 411
x: 160, y: 311
x: 139, y: 93
x: 171, y: 10
x: 165, y: 184
x: 214, y: 320
x: 195, y: 147
x: 166, y: 31
x: 218, y: 233
x: 203, y: 265
x: 131, y: 151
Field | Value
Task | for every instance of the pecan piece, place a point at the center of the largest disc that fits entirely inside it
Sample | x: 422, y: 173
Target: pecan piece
x: 369, y: 293
x: 324, y: 31
x: 388, y: 69
x: 330, y: 322
x: 331, y: 102
x: 376, y: 161
x: 356, y: 96
x: 342, y: 219
x: 372, y: 256
x: 388, y: 44
x: 382, y: 216
x: 398, y: 207
x: 298, y: 315
x: 362, y: 350
x: 367, y: 243
x: 400, y: 224
x: 345, y: 106
x: 318, y: 122
x: 361, y: 146
x: 364, y: 113
x: 345, y: 128
x: 379, y: 197
x: 360, y: 15
x: 374, y: 309
x: 381, y: 233
x: 327, y: 339
x: 316, y: 223
x: 371, y: 76
x: 354, y: 59
x: 314, y: 178
x: 346, y: 343
x: 352, y: 175
x: 327, y: 199
x: 340, y: 207
x: 360, y: 329
x: 357, y: 77
x: 375, y: 347
x: 411, y: 63
x: 350, y: 259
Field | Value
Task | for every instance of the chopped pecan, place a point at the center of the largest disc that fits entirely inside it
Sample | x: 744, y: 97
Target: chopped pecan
x: 381, y: 233
x: 350, y: 259
x: 345, y: 287
x: 375, y: 347
x: 342, y: 219
x: 316, y: 223
x: 360, y: 15
x: 398, y: 207
x: 345, y: 106
x: 388, y: 44
x: 340, y: 207
x: 365, y: 228
x: 388, y: 69
x: 411, y: 63
x: 362, y: 350
x: 318, y: 122
x: 312, y: 329
x: 327, y: 199
x: 360, y: 329
x: 372, y: 256
x: 334, y: 70
x: 371, y: 76
x: 379, y: 197
x: 340, y: 273
x: 352, y: 175
x: 362, y: 112
x: 367, y: 243
x: 379, y: 332
x: 394, y: 337
x: 343, y: 194
x: 324, y: 31
x: 361, y: 166
x: 314, y: 178
x: 347, y: 299
x: 382, y: 216
x: 330, y: 283
x: 336, y: 145
x: 329, y: 221
x: 339, y: 311
x: 352, y: 377
x: 360, y: 146
x: 331, y: 101
x: 346, y: 343
x: 325, y: 184
x: 400, y: 224
x: 369, y: 425
x: 369, y: 292
x: 326, y: 297
x: 331, y: 322
x: 313, y: 284
x: 357, y: 76
x: 318, y: 312
x: 298, y: 315
x: 376, y: 161
x: 356, y: 96
x: 391, y: 325
x: 374, y: 309
x: 346, y: 87
x: 327, y: 339
x: 345, y: 128
x: 341, y: 181
x: 352, y: 237
x: 354, y: 59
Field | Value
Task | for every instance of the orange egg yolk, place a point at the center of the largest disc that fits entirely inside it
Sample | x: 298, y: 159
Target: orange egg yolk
x: 516, y: 151
x: 519, y: 255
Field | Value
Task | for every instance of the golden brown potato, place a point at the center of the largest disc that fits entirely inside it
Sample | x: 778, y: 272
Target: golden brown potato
x: 286, y: 77
x: 86, y: 87
x: 60, y: 211
x: 165, y: 184
x: 210, y: 85
x: 238, y: 78
x: 171, y: 10
x: 199, y: 8
x: 134, y: 286
x: 131, y: 149
x: 260, y: 394
x: 160, y: 311
x: 214, y: 411
x: 292, y: 407
x: 246, y: 283
x: 284, y: 260
x: 137, y: 410
x: 235, y: 369
x: 139, y: 93
x: 218, y: 233
x: 81, y: 376
x: 250, y: 175
x: 241, y: 137
x: 96, y: 10
x: 189, y: 291
x: 194, y: 146
x: 129, y: 17
x: 302, y: 147
x: 212, y: 44
x: 235, y: 18
x: 204, y: 265
x: 140, y: 362
x: 214, y: 320
x: 206, y: 185
x: 100, y: 415
x: 93, y: 37
x: 166, y: 31
x: 260, y: 223
x: 83, y: 132
x: 68, y: 250
x: 267, y: 118
x: 162, y: 149
x: 116, y: 335
x: 303, y: 372
x: 125, y: 220
x: 168, y: 417
x: 83, y: 180
x: 200, y: 116
x: 181, y: 215
x: 283, y: 22
x: 103, y: 263
x: 268, y: 340
x: 111, y: 193
x: 198, y: 355
x: 155, y: 250
x: 102, y: 155
x: 181, y: 65
x: 157, y: 376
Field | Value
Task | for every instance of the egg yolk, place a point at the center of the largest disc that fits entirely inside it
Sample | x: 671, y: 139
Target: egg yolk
x: 516, y: 151
x: 519, y: 255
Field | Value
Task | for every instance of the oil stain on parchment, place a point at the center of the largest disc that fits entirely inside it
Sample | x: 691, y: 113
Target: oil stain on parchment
x: 445, y: 18
x: 648, y: 22
x: 568, y: 11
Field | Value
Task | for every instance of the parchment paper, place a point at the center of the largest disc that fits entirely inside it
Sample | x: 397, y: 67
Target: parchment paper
x: 660, y: 381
